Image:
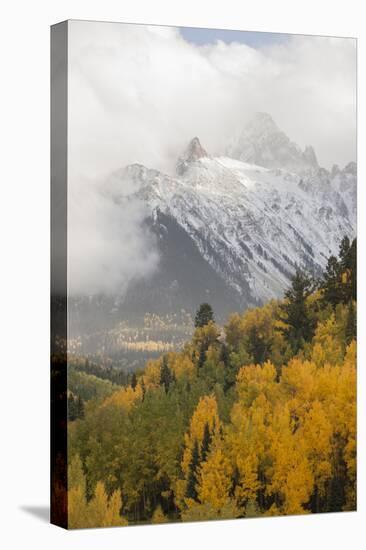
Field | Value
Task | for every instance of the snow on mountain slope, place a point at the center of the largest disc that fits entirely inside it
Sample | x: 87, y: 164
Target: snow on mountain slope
x: 253, y: 225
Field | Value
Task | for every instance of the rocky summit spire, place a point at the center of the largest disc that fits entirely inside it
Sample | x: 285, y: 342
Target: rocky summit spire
x: 261, y: 124
x: 194, y: 152
x: 310, y: 156
x: 263, y: 143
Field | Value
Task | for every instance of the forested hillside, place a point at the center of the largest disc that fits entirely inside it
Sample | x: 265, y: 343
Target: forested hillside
x: 256, y: 418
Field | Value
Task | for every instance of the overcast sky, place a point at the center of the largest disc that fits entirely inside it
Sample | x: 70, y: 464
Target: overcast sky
x: 140, y: 93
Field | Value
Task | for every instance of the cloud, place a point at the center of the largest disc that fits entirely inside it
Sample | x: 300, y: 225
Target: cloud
x: 140, y: 93
x: 108, y: 243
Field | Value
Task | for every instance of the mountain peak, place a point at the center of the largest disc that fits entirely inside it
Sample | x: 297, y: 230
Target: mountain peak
x: 262, y: 142
x: 193, y: 152
x: 261, y: 123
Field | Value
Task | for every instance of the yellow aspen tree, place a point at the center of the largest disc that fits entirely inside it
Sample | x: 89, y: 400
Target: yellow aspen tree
x: 292, y: 481
x: 316, y: 432
x: 151, y: 376
x: 254, y: 380
x: 246, y: 439
x: 75, y: 474
x: 124, y: 398
x: 206, y: 413
x: 77, y: 505
x: 103, y: 511
x: 215, y: 479
x: 298, y: 387
x: 77, y: 508
x: 347, y: 418
x: 112, y: 517
x: 159, y: 516
x: 182, y: 366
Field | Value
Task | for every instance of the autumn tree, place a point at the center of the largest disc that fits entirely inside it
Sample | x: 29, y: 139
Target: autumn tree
x: 158, y: 515
x: 215, y: 479
x: 99, y: 511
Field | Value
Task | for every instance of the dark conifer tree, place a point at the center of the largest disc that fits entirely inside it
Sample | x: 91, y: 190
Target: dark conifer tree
x: 330, y: 284
x: 344, y: 251
x: 258, y: 347
x: 299, y: 326
x: 225, y: 355
x: 204, y: 315
x: 191, y: 489
x: 339, y: 279
x: 201, y: 357
x: 80, y: 410
x: 143, y: 388
x: 348, y: 267
x: 206, y: 442
x: 350, y: 329
x: 165, y: 374
x: 133, y: 381
x: 71, y: 408
x: 353, y: 267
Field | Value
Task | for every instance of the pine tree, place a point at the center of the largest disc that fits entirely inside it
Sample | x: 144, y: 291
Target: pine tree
x: 201, y: 357
x: 344, y: 253
x: 353, y: 267
x: 350, y: 329
x: 133, y: 381
x: 299, y: 326
x: 225, y: 355
x: 339, y: 279
x: 191, y: 489
x: 80, y: 410
x: 204, y: 315
x: 206, y: 442
x: 143, y: 389
x: 257, y: 346
x: 71, y: 408
x: 165, y: 374
x: 330, y: 284
x: 348, y: 266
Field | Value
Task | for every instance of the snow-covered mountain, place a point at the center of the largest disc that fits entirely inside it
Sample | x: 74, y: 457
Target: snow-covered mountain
x: 232, y: 229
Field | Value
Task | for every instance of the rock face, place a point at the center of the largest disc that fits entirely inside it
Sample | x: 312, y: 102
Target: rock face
x: 194, y: 152
x: 232, y: 232
x: 262, y: 142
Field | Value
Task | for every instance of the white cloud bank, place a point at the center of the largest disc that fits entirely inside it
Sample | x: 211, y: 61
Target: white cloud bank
x: 139, y: 94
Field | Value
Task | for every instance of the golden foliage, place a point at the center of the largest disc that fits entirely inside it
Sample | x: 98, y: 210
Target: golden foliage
x: 215, y: 480
x: 100, y: 511
x: 124, y: 398
x: 158, y: 516
x: 206, y: 412
x: 182, y: 366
